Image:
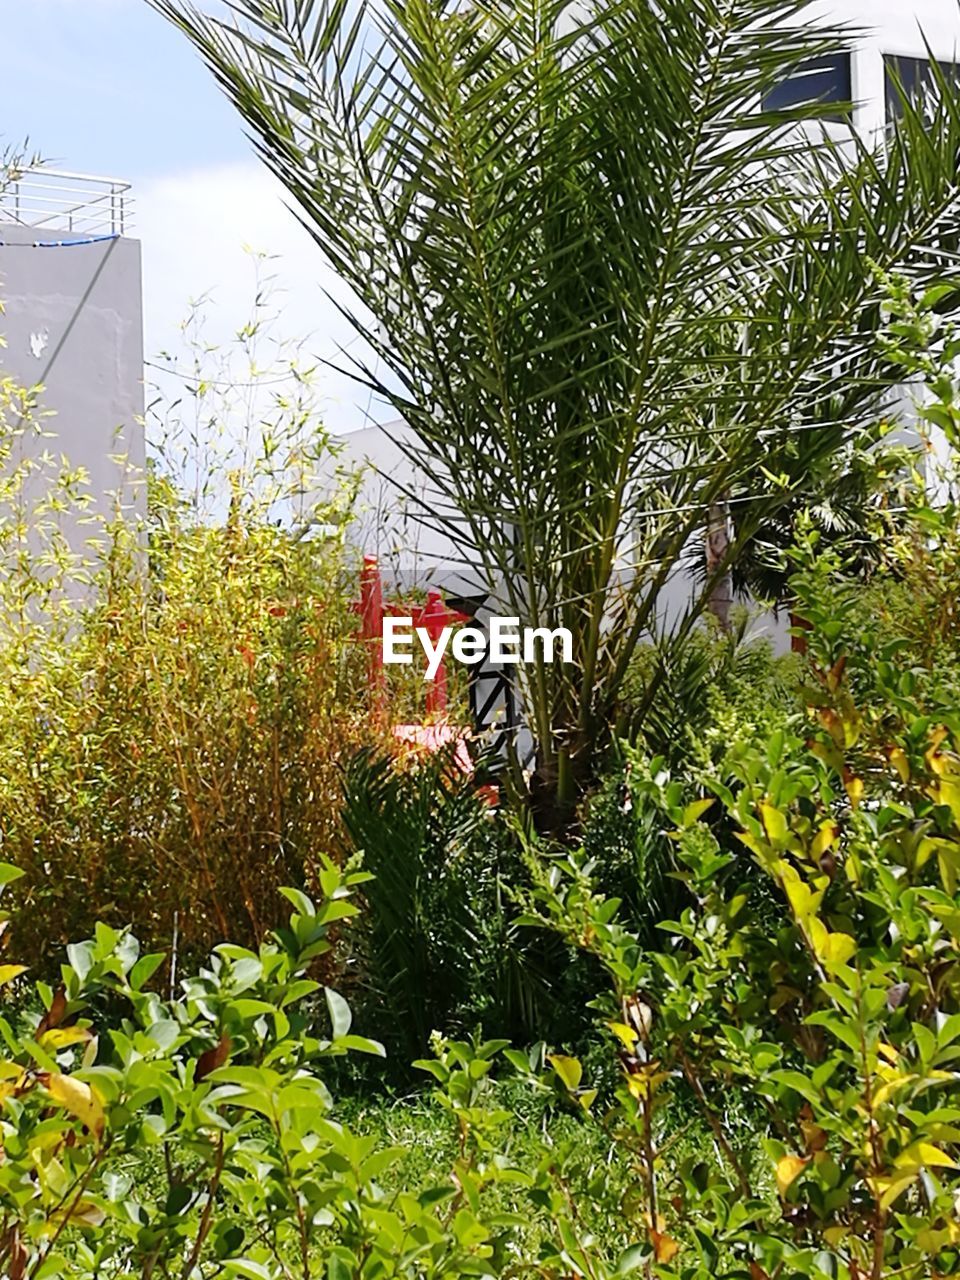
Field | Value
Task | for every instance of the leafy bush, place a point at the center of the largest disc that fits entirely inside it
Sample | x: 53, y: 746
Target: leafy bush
x: 802, y: 1021
x: 197, y: 1136
x: 814, y: 969
x: 176, y: 697
x: 716, y: 689
x: 220, y: 1086
x: 783, y: 1103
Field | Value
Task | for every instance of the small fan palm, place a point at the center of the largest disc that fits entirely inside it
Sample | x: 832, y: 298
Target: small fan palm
x: 854, y: 499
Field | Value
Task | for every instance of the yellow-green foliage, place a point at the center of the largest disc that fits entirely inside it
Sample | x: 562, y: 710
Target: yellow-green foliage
x: 174, y: 702
x: 812, y: 968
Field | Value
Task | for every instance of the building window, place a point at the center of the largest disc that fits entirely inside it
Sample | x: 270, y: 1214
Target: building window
x: 817, y: 80
x: 916, y: 80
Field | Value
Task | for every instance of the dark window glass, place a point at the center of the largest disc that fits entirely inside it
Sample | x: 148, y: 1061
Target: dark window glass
x: 825, y: 79
x: 916, y: 80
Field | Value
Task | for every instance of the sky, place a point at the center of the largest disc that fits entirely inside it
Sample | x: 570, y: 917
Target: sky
x: 108, y: 87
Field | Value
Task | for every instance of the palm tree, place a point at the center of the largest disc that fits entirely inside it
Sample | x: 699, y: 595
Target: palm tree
x: 604, y: 287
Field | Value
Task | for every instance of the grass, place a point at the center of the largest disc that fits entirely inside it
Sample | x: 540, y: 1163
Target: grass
x: 598, y: 1170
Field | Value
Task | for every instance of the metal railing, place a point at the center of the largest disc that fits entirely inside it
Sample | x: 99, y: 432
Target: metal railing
x: 55, y: 200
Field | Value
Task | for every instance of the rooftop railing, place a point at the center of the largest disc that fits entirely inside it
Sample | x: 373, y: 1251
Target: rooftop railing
x: 55, y: 200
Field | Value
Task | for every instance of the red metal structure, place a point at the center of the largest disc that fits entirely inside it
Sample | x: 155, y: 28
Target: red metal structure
x: 370, y: 609
x: 433, y: 617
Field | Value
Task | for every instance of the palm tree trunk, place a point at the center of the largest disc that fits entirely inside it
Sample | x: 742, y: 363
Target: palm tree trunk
x: 717, y: 548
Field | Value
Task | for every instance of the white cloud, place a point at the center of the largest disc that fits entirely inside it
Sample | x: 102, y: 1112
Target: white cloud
x: 193, y: 227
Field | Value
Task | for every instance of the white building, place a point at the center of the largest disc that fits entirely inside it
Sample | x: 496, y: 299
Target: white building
x: 70, y: 284
x: 884, y: 34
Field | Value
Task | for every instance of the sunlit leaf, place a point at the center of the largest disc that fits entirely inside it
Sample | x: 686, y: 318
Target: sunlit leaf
x: 77, y: 1097
x: 569, y: 1070
x: 789, y: 1168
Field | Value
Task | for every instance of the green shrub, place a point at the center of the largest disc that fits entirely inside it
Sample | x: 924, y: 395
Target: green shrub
x: 783, y: 1095
x: 177, y: 696
x: 812, y: 968
x: 716, y: 690
x: 197, y: 1136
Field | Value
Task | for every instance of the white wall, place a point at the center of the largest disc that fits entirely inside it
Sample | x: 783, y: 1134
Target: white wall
x: 413, y: 551
x: 888, y: 27
x: 73, y: 321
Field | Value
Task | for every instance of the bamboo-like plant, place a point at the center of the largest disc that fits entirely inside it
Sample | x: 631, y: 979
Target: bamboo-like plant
x: 607, y: 290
